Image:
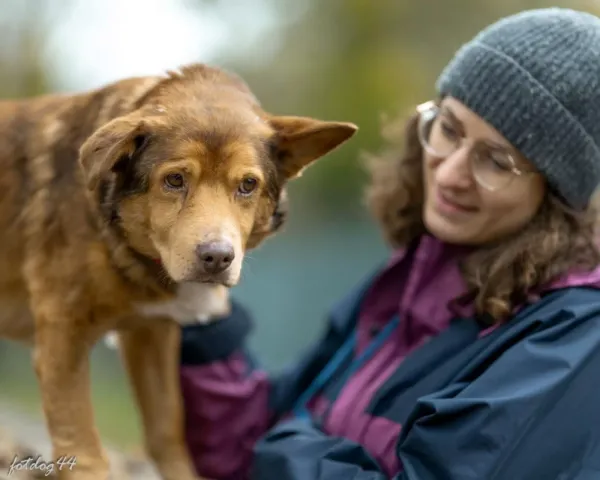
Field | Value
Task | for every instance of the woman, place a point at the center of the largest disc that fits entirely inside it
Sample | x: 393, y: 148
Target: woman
x: 475, y: 353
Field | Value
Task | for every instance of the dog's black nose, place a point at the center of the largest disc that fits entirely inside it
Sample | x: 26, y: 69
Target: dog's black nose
x: 215, y: 257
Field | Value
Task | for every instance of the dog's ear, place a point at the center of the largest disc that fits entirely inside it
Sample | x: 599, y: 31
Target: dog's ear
x: 111, y: 148
x: 302, y: 140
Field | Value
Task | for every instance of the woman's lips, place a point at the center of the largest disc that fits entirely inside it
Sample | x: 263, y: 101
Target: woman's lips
x: 447, y: 206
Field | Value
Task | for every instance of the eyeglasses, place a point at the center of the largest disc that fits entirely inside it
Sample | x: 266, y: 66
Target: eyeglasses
x: 491, y: 167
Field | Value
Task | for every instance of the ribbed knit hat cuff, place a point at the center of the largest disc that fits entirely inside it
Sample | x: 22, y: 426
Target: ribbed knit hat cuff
x: 500, y: 91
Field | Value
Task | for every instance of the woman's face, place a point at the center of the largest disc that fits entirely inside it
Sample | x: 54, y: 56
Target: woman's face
x: 458, y: 208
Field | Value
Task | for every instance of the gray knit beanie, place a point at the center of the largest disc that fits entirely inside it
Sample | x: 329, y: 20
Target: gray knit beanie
x: 535, y: 77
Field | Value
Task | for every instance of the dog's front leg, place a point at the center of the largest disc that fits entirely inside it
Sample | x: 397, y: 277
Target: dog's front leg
x: 151, y: 356
x: 61, y: 360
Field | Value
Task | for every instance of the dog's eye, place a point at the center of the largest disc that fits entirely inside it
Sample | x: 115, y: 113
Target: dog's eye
x: 174, y: 180
x: 247, y: 186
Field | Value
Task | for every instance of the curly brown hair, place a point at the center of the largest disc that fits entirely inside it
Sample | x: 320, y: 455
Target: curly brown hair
x: 499, y: 276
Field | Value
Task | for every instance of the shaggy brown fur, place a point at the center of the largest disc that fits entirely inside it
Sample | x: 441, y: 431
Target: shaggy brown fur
x: 498, y: 276
x: 109, y: 203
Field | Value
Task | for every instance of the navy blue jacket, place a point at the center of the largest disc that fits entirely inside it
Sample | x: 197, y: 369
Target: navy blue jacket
x: 522, y: 402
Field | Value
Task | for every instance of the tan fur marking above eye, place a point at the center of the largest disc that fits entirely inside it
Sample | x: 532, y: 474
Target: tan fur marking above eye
x: 239, y: 151
x: 241, y: 160
x: 191, y: 149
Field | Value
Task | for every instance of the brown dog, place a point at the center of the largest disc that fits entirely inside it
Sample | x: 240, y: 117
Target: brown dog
x: 127, y: 208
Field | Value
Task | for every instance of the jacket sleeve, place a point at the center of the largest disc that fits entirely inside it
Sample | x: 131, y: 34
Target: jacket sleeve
x: 298, y: 450
x: 532, y: 412
x: 529, y: 412
x: 229, y: 401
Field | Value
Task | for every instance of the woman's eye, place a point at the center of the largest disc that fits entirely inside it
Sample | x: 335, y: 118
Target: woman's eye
x: 499, y: 162
x: 174, y: 180
x: 448, y: 131
x: 247, y: 186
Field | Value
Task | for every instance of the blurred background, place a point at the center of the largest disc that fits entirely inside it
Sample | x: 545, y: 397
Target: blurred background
x: 348, y: 60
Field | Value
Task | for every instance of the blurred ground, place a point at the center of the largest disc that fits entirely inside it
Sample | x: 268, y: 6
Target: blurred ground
x: 23, y: 437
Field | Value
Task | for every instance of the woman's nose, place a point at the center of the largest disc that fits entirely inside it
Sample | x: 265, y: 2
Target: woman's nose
x: 454, y: 171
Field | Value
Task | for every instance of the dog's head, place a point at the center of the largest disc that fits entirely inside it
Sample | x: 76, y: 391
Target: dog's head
x: 196, y: 175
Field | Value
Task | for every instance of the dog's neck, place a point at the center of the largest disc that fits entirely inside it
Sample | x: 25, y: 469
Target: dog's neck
x: 144, y: 272
x: 147, y: 273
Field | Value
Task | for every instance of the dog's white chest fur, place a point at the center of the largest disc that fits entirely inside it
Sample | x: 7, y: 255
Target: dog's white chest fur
x: 194, y: 303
